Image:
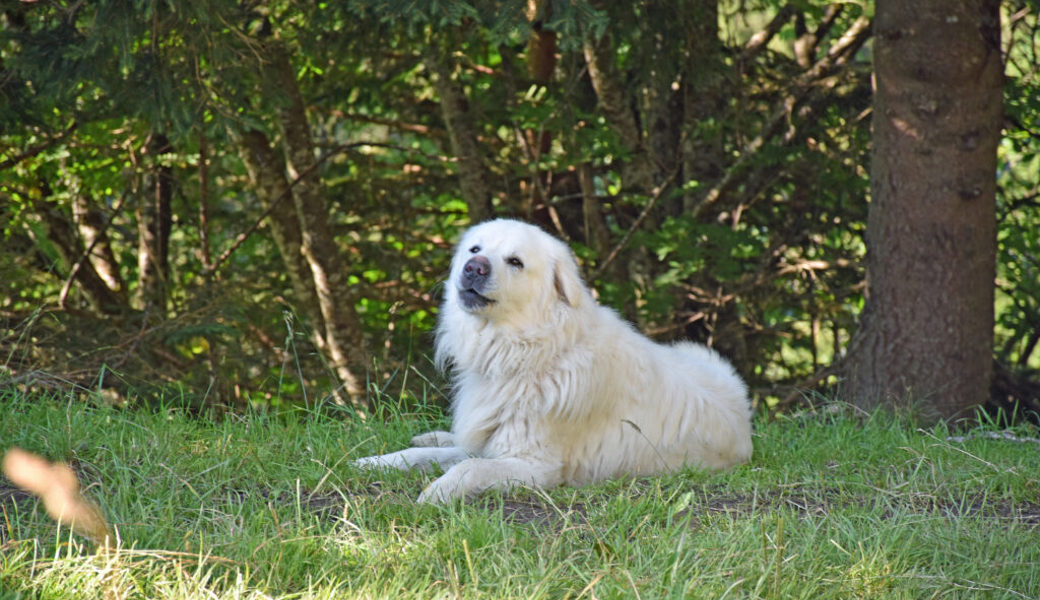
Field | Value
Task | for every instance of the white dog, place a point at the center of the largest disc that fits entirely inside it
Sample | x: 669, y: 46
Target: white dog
x: 551, y: 388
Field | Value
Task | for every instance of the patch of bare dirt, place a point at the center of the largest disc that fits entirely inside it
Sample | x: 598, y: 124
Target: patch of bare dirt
x: 539, y: 513
x: 823, y: 502
x: 9, y: 493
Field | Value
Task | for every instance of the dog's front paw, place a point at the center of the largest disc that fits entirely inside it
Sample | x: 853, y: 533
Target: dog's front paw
x: 443, y: 490
x: 474, y: 476
x: 371, y: 462
x: 464, y: 480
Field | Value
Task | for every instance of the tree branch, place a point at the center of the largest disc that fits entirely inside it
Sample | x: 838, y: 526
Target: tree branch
x: 760, y: 40
x: 287, y: 193
x: 654, y: 198
x: 39, y: 148
x: 74, y: 271
x: 837, y: 56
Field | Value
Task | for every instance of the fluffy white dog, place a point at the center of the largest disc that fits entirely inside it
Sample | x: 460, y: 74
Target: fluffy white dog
x: 551, y: 388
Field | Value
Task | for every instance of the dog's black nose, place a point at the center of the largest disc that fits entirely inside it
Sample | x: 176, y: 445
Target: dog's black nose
x: 476, y: 271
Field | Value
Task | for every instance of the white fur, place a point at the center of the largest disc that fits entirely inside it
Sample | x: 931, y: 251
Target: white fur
x: 551, y: 388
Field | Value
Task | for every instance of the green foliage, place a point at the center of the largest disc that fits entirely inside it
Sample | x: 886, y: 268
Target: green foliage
x: 770, y: 271
x: 499, y: 20
x: 1018, y: 247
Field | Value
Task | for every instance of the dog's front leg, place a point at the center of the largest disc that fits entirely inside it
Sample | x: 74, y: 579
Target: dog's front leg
x: 420, y: 459
x: 475, y: 475
x: 434, y: 439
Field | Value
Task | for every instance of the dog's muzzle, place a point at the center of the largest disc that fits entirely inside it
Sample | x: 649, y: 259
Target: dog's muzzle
x: 473, y: 280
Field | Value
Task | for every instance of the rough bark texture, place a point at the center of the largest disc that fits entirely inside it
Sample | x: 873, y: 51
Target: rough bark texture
x: 926, y: 333
x: 474, y: 176
x: 344, y: 342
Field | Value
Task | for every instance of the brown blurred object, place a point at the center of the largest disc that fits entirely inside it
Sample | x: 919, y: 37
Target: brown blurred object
x: 58, y: 487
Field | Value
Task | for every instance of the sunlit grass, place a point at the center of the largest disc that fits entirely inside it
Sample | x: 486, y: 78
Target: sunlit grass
x: 833, y: 505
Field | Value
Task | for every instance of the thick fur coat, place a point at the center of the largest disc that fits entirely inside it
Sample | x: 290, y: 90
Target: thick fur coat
x: 551, y: 388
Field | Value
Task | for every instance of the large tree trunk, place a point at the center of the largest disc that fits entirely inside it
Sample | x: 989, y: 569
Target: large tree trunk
x: 344, y: 342
x: 926, y: 333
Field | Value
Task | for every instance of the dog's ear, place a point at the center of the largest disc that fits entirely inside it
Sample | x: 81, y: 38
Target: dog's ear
x: 567, y: 280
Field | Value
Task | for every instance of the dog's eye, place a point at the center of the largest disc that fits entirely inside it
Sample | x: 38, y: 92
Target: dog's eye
x: 474, y: 249
x: 515, y: 262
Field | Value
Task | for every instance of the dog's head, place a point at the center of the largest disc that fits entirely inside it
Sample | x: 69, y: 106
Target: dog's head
x: 512, y: 271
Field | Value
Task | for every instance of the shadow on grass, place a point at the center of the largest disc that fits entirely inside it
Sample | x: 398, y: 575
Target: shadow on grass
x: 533, y: 510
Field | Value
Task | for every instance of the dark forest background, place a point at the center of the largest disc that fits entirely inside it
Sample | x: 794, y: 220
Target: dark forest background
x: 253, y: 202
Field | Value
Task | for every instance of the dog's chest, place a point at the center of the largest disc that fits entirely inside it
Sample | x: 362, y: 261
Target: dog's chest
x: 498, y: 418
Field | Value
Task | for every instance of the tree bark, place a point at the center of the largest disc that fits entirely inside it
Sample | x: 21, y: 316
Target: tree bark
x: 93, y: 231
x: 266, y: 169
x: 925, y: 339
x: 661, y: 97
x: 638, y: 174
x: 62, y: 234
x: 704, y: 84
x: 541, y: 64
x: 474, y: 176
x: 154, y: 223
x: 597, y: 233
x: 344, y: 342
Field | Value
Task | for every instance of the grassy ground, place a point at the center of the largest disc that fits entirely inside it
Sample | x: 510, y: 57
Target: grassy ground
x: 831, y: 506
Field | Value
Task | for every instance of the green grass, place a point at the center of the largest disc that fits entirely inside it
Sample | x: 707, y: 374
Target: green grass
x: 267, y: 506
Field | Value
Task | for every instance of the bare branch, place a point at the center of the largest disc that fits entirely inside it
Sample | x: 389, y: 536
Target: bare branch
x: 38, y: 148
x: 760, y: 40
x: 838, y: 55
x: 658, y: 191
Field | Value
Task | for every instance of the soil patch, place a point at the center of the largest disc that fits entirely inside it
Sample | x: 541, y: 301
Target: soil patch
x: 823, y: 502
x: 538, y: 513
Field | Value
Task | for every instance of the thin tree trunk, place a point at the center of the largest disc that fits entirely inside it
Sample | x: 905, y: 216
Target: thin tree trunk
x: 926, y: 334
x: 154, y: 223
x: 344, y: 342
x: 704, y: 85
x: 661, y: 96
x: 474, y: 176
x: 266, y: 169
x: 206, y: 250
x: 61, y: 233
x: 637, y: 175
x: 597, y: 233
x: 616, y: 105
x: 541, y: 64
x: 92, y: 230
